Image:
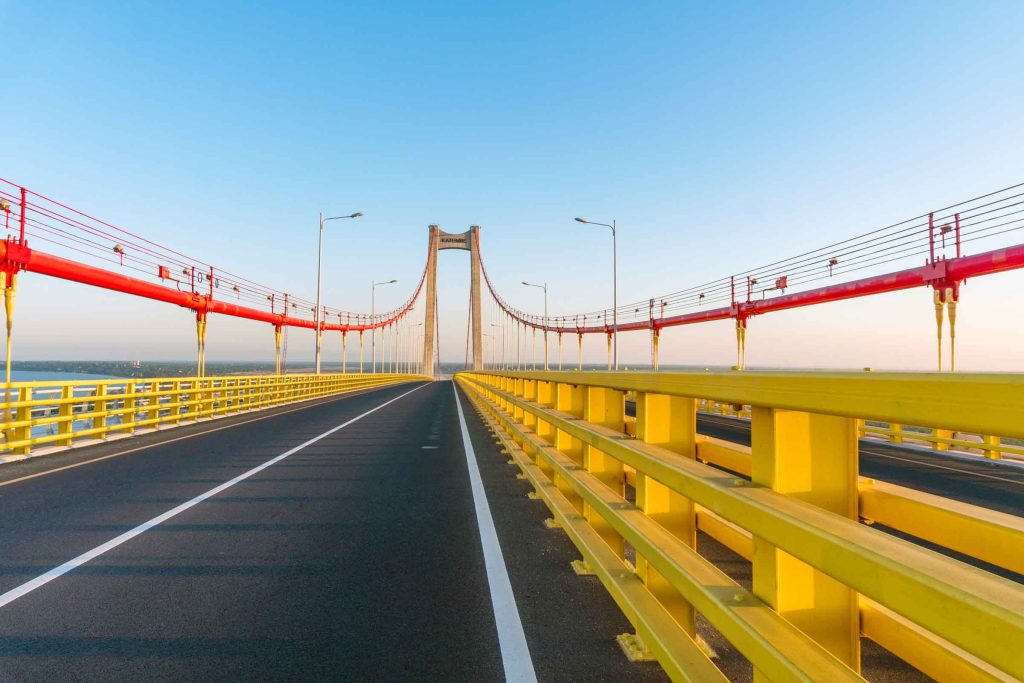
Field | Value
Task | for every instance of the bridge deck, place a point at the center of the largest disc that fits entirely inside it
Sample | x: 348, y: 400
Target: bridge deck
x: 355, y: 556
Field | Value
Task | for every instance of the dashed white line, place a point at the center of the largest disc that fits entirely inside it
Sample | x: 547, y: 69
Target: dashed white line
x: 515, y: 653
x: 43, y: 579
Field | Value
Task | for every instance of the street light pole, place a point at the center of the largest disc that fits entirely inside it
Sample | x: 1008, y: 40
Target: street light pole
x: 412, y: 349
x: 615, y: 288
x: 373, y: 322
x: 545, y: 288
x: 502, y: 328
x: 318, y: 324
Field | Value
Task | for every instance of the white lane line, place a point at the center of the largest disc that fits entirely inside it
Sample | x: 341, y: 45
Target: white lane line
x: 43, y: 579
x: 515, y: 653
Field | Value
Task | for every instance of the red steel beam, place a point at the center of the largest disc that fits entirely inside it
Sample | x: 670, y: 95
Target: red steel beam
x: 19, y: 257
x: 940, y: 273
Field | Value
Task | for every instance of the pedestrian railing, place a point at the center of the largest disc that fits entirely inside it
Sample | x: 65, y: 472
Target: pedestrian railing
x: 59, y: 414
x: 792, y: 504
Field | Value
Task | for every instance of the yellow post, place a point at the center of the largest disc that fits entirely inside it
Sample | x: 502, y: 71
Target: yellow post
x: 812, y: 458
x: 176, y: 398
x: 569, y: 399
x: 941, y: 434
x: 605, y: 407
x: 937, y: 299
x: 128, y: 416
x: 10, y: 284
x: 277, y: 349
x: 994, y: 453
x: 655, y: 337
x: 545, y: 397
x: 741, y: 343
x: 897, y: 433
x: 545, y: 430
x: 65, y: 412
x: 671, y: 423
x: 23, y: 414
x: 99, y: 406
x: 144, y: 413
x: 519, y: 390
x: 530, y: 394
x: 201, y: 343
x: 344, y: 352
x: 951, y: 307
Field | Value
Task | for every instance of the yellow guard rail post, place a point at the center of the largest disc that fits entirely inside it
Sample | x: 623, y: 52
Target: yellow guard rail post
x: 62, y: 414
x: 822, y: 579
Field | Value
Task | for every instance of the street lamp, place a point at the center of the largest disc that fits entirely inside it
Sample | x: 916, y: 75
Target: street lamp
x: 487, y: 344
x: 615, y: 288
x: 373, y: 321
x: 419, y: 338
x: 545, y: 288
x: 502, y: 328
x: 411, y: 355
x: 319, y: 272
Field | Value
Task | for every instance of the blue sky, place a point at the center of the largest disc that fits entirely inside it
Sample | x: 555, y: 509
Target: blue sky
x: 719, y: 135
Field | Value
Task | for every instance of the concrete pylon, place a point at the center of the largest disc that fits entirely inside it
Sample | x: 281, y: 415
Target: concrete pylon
x: 430, y: 309
x: 474, y: 297
x: 466, y: 241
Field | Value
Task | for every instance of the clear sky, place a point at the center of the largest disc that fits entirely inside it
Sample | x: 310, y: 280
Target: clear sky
x: 720, y: 136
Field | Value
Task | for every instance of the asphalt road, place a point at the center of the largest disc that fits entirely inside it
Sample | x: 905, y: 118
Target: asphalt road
x: 335, y: 540
x: 355, y: 557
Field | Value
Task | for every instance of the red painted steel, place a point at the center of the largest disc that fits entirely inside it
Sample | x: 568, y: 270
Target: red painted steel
x: 942, y: 273
x: 15, y: 256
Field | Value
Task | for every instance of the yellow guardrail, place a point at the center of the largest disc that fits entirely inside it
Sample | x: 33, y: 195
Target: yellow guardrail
x: 822, y: 579
x: 56, y: 413
x: 938, y: 439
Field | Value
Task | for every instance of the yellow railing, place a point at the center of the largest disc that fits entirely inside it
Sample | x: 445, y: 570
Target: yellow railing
x: 993, y: 447
x: 822, y: 578
x: 62, y: 413
x: 936, y: 438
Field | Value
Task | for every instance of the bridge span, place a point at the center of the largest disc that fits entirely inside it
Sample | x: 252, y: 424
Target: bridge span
x: 382, y: 524
x: 400, y: 531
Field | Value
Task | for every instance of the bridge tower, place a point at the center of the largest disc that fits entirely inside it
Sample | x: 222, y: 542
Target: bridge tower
x: 466, y: 241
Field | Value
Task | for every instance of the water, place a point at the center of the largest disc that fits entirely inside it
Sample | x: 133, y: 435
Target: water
x: 52, y: 376
x: 48, y: 375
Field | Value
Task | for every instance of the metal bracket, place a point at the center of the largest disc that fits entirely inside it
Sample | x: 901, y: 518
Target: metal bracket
x: 582, y: 568
x: 634, y: 648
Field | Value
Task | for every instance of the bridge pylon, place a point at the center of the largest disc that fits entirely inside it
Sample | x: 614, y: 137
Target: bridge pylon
x: 466, y: 241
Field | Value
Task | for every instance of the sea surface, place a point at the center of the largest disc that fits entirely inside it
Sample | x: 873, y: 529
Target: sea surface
x: 47, y: 376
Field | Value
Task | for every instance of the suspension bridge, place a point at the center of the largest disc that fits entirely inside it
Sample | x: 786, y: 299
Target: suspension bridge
x: 528, y: 520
